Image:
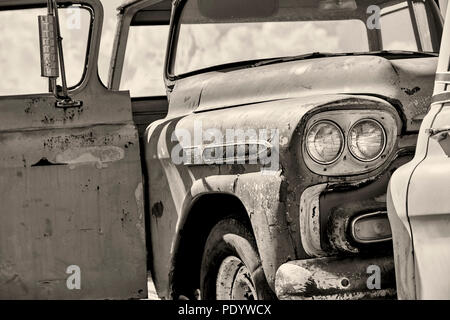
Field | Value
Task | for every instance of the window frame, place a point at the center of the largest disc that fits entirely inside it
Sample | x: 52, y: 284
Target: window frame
x: 88, y: 5
x: 139, y: 25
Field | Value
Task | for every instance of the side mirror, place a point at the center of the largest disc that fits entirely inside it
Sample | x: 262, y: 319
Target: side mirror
x: 50, y: 42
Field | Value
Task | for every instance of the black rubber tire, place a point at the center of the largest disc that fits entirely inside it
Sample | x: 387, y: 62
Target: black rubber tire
x: 230, y: 237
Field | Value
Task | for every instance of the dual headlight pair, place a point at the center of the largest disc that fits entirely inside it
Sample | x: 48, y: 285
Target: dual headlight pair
x: 326, y: 141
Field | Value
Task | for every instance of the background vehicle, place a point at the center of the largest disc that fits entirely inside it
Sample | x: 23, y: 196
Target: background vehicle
x: 418, y: 203
x: 343, y: 115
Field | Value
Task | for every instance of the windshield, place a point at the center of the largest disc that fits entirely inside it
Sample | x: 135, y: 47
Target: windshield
x: 219, y: 32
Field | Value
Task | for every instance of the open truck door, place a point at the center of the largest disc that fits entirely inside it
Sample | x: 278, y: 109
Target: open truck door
x: 72, y: 208
x: 418, y: 198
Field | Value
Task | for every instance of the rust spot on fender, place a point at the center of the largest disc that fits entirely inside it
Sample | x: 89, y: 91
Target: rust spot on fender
x: 412, y: 91
x: 158, y: 209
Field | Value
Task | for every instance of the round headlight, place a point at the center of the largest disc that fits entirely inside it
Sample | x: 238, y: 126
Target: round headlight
x: 325, y: 142
x: 366, y: 140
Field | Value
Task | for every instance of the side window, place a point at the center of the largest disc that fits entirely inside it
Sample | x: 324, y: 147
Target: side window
x: 20, y: 56
x: 399, y: 25
x: 144, y: 61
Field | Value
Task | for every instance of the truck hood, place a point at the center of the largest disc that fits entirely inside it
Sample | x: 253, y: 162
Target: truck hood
x: 407, y: 83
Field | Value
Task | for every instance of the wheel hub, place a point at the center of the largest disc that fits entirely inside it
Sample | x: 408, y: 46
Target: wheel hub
x: 234, y: 281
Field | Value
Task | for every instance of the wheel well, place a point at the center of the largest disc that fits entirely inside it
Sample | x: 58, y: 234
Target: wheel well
x: 203, y: 215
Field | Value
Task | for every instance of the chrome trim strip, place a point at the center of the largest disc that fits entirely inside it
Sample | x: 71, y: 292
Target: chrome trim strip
x: 257, y: 151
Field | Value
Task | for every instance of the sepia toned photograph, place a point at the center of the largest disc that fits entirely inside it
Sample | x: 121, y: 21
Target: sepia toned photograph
x: 224, y: 150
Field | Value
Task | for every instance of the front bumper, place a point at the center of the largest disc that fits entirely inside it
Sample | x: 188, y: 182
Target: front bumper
x: 336, y: 278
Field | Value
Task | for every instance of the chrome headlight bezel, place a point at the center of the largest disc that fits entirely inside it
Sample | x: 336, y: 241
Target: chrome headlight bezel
x: 347, y: 164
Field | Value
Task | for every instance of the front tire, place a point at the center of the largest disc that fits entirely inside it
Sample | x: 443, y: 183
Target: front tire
x: 231, y: 267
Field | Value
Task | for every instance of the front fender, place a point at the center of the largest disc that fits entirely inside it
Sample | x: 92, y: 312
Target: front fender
x: 271, y: 201
x: 260, y: 195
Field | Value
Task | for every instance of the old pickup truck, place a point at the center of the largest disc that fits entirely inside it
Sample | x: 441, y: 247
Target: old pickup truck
x: 260, y: 172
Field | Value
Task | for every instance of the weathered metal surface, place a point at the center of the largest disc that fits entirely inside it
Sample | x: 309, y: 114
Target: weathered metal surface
x: 71, y: 197
x: 334, y: 278
x: 310, y: 220
x: 350, y: 199
x: 271, y: 206
x: 388, y: 78
x: 170, y: 207
x: 218, y: 91
x: 71, y: 191
x: 327, y: 210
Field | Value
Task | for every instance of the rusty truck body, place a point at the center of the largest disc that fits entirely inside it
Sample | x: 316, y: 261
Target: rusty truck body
x: 319, y: 120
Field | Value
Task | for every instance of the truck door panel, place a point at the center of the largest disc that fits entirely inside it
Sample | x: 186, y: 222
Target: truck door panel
x: 72, y: 215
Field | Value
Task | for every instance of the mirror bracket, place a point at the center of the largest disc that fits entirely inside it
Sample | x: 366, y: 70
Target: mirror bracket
x: 68, y: 103
x: 52, y: 56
